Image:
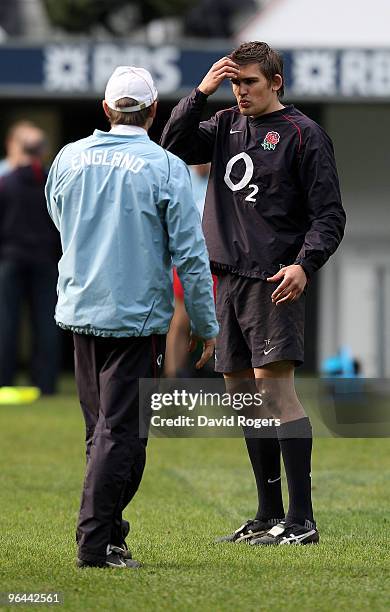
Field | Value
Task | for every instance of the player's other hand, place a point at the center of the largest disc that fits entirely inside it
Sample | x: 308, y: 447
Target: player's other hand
x: 293, y: 281
x: 208, y: 349
x: 225, y: 68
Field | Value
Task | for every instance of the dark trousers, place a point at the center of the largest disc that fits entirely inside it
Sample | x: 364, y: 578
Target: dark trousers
x: 107, y: 373
x: 34, y: 284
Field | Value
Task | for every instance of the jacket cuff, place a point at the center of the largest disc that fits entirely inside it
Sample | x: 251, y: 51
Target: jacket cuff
x: 211, y: 331
x: 307, y: 268
x: 199, y: 95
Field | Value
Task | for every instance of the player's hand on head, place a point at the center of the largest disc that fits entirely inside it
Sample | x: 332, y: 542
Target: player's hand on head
x: 292, y: 281
x: 223, y: 69
x: 208, y: 349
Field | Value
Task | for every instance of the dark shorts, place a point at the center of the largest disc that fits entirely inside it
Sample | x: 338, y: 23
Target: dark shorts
x: 253, y: 331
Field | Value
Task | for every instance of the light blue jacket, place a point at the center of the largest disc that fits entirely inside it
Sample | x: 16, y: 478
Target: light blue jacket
x: 125, y: 212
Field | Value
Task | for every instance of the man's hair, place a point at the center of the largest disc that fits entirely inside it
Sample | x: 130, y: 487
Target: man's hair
x: 138, y: 118
x: 269, y: 60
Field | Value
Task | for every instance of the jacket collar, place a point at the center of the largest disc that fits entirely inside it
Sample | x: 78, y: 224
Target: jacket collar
x: 128, y: 130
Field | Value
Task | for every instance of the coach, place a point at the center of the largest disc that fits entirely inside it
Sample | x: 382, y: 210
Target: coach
x: 125, y: 213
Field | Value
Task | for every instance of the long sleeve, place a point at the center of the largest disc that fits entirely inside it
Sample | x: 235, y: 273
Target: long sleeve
x: 188, y: 251
x: 186, y: 135
x: 318, y: 175
x: 50, y: 193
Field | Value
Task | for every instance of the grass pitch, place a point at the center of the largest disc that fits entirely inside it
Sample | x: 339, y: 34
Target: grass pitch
x: 193, y: 490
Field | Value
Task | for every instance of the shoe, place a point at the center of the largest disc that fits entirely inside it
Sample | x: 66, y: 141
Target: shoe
x: 251, y: 529
x: 132, y: 563
x: 127, y: 558
x: 81, y: 563
x: 289, y: 533
x: 114, y: 559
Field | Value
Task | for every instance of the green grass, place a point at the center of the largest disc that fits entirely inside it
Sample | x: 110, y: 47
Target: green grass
x: 193, y: 490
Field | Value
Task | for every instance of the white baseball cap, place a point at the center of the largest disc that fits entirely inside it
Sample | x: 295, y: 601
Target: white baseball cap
x: 130, y: 82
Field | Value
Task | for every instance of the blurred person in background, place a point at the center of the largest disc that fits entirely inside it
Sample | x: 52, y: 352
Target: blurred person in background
x: 29, y: 253
x: 177, y: 357
x: 14, y: 145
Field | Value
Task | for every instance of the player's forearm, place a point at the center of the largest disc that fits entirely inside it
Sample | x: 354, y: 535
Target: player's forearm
x: 321, y: 241
x: 181, y: 135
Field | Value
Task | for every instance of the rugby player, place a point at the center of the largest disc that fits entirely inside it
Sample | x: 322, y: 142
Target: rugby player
x: 272, y: 218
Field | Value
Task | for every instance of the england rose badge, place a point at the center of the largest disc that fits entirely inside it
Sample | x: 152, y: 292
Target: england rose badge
x: 270, y: 141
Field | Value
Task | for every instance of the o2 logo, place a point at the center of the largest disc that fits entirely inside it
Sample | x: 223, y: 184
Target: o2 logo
x: 246, y: 179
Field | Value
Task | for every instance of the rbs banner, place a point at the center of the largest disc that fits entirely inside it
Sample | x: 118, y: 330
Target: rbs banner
x: 82, y: 69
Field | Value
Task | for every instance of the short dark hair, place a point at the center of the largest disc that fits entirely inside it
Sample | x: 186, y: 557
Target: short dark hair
x: 137, y: 118
x: 269, y: 60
